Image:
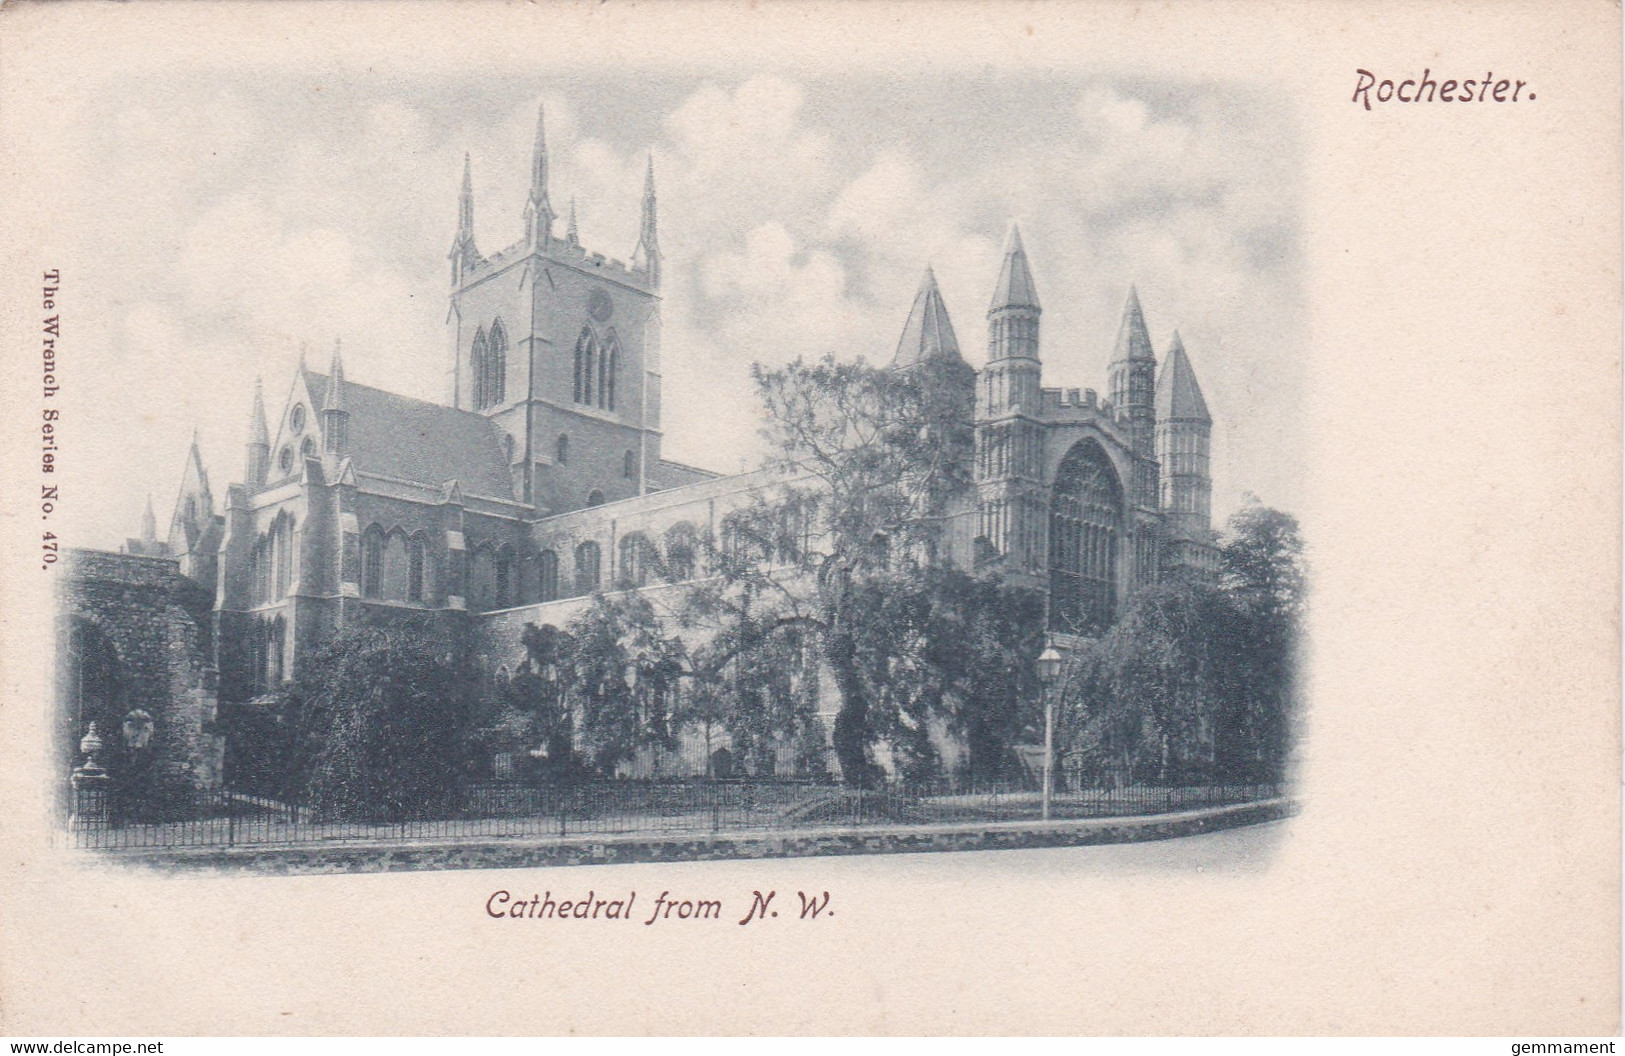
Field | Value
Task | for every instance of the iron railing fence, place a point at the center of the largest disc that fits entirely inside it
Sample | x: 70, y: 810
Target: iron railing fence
x: 233, y: 819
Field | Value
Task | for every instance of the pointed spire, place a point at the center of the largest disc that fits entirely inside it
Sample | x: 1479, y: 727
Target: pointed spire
x: 335, y: 415
x: 1015, y: 288
x: 149, y: 524
x: 538, y: 210
x: 465, y: 203
x: 928, y: 334
x: 258, y: 432
x: 1179, y: 397
x: 1133, y: 341
x: 335, y: 382
x: 571, y: 235
x: 647, y: 256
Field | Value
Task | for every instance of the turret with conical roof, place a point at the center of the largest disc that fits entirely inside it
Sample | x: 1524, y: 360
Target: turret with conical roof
x: 257, y: 451
x: 1184, y: 429
x: 335, y: 415
x: 928, y: 334
x: 1009, y: 436
x: 1133, y: 376
x: 538, y: 210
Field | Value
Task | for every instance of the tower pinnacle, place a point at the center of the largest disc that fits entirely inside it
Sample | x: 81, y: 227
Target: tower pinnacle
x: 335, y: 415
x: 149, y: 524
x: 647, y: 256
x: 257, y: 452
x: 928, y: 334
x: 571, y: 235
x: 464, y: 254
x: 539, y: 213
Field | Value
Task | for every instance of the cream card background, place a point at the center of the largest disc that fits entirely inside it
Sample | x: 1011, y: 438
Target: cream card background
x: 1456, y: 865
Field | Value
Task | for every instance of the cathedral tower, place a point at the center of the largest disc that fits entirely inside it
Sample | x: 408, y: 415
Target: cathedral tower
x: 559, y: 347
x: 1009, y: 437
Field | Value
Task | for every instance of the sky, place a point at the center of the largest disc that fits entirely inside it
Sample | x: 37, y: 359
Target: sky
x: 225, y: 223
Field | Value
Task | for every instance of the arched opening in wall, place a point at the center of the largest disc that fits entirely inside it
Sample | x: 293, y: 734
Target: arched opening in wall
x: 372, y: 562
x: 90, y: 688
x: 1085, y: 533
x: 595, y: 497
x: 307, y: 447
x: 478, y: 364
x: 496, y: 365
x: 589, y: 560
x: 634, y: 561
x: 547, y: 571
x: 682, y: 544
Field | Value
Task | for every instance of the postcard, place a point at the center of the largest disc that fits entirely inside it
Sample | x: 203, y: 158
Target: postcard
x: 811, y: 518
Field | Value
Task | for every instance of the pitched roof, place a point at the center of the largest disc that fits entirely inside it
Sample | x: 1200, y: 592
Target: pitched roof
x: 429, y: 443
x: 1179, y: 397
x: 928, y: 334
x: 1015, y: 288
x: 1133, y: 341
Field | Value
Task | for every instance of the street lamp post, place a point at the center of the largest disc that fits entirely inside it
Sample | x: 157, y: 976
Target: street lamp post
x: 1049, y: 673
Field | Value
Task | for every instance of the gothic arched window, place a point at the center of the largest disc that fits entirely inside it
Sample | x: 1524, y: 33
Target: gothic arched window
x: 562, y: 452
x: 587, y: 361
x: 634, y: 561
x: 372, y: 562
x: 681, y: 544
x: 1085, y: 524
x: 547, y: 567
x: 496, y: 365
x: 416, y: 555
x: 595, y: 498
x: 588, y: 561
x: 477, y: 367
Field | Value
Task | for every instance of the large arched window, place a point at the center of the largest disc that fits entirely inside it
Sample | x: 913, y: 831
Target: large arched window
x: 282, y: 555
x: 478, y: 365
x: 1085, y: 529
x: 496, y: 365
x: 547, y: 568
x: 681, y: 545
x: 372, y: 562
x: 393, y: 584
x: 588, y: 563
x: 586, y: 365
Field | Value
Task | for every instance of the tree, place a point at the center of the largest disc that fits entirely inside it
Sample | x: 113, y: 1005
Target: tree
x: 622, y: 670
x: 1262, y: 569
x: 385, y: 721
x: 873, y: 458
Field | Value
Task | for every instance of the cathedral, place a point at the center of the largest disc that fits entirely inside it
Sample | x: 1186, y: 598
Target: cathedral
x: 540, y: 479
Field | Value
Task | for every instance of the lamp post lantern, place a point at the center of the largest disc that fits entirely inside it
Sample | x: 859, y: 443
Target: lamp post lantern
x: 1049, y: 674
